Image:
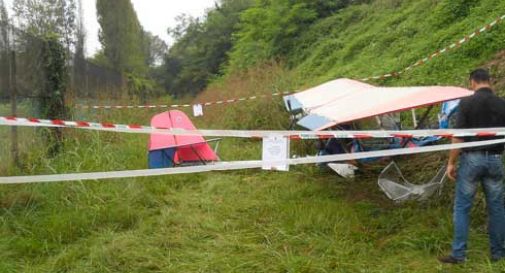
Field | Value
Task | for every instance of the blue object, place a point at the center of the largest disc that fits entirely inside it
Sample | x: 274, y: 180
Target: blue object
x: 425, y: 141
x: 314, y: 122
x: 159, y: 159
x: 357, y: 146
x: 394, y: 143
x: 448, y: 110
x: 292, y: 104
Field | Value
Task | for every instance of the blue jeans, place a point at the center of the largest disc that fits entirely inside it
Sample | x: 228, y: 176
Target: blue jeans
x: 488, y: 169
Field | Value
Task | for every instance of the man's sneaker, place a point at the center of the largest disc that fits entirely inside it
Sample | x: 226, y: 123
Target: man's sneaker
x: 450, y: 260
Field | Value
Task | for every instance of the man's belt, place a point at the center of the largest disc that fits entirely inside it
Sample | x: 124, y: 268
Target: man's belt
x: 483, y: 152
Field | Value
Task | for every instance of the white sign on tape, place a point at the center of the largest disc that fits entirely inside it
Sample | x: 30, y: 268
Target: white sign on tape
x: 198, y: 110
x: 275, y: 149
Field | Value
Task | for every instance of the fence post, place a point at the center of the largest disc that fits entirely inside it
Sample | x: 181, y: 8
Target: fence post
x: 14, y: 106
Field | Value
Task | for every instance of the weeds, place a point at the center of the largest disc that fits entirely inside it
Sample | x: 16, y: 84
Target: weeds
x: 249, y: 221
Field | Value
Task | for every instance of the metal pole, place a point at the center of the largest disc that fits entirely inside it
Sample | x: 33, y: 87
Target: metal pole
x: 414, y: 117
x: 13, y: 98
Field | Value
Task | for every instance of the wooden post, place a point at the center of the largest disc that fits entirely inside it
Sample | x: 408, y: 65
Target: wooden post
x: 13, y: 98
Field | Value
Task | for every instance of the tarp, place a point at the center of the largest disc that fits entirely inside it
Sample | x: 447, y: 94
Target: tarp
x: 351, y: 100
x: 187, y: 148
x: 447, y: 111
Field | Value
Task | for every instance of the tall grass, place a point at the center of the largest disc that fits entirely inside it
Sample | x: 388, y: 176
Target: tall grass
x: 306, y: 220
x: 245, y: 221
x: 267, y: 113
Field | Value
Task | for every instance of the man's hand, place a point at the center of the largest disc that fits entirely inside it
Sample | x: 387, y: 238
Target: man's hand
x: 453, y: 158
x: 451, y: 171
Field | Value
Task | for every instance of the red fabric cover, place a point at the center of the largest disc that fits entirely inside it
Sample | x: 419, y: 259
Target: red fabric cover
x: 188, y: 148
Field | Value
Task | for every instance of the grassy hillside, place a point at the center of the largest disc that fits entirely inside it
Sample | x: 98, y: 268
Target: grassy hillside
x: 252, y: 221
x: 367, y: 40
x: 390, y: 35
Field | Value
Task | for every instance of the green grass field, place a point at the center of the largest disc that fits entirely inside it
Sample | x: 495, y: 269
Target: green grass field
x: 306, y: 220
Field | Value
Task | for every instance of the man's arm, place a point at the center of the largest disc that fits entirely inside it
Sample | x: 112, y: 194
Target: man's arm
x: 453, y: 160
x: 461, y: 123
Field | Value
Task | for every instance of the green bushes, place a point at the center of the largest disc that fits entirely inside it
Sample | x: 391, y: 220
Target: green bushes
x: 52, y: 101
x: 142, y: 87
x: 201, y: 48
x: 271, y: 29
x: 448, y: 11
x: 320, y: 39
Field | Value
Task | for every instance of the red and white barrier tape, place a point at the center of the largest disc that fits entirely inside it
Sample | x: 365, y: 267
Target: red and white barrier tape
x: 139, y: 129
x: 439, y: 52
x: 423, y: 61
x: 240, y: 165
x: 220, y: 102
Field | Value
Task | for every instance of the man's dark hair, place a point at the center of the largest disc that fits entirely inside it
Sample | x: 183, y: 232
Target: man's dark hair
x: 480, y: 76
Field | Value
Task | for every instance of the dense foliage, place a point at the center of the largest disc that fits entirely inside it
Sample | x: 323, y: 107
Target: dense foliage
x: 4, y: 19
x: 120, y: 33
x: 271, y: 28
x: 325, y: 39
x: 126, y: 47
x: 201, y: 47
x: 4, y: 33
x: 55, y: 75
x: 237, y: 34
x: 39, y: 49
x: 40, y: 17
x: 4, y: 49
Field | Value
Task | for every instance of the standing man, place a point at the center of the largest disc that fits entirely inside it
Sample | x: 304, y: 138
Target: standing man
x: 483, y: 164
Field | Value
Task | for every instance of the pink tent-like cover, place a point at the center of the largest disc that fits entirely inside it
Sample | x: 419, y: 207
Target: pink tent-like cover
x: 188, y: 148
x: 349, y: 100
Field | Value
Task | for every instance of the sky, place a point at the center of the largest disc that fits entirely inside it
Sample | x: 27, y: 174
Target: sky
x: 154, y: 15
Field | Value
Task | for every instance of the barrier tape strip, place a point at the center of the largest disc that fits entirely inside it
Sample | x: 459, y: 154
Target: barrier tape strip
x: 423, y: 61
x: 220, y: 102
x: 256, y: 134
x: 239, y: 165
x: 439, y: 52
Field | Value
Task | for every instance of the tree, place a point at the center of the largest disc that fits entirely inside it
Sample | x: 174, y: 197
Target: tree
x: 79, y: 61
x: 55, y: 73
x: 42, y: 17
x: 4, y: 18
x: 121, y: 36
x: 201, y: 47
x: 154, y: 49
x: 4, y: 50
x: 45, y: 41
x: 4, y: 26
x: 271, y: 28
x: 80, y: 33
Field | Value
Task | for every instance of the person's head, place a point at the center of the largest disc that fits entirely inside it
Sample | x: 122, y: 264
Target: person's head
x: 480, y: 78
